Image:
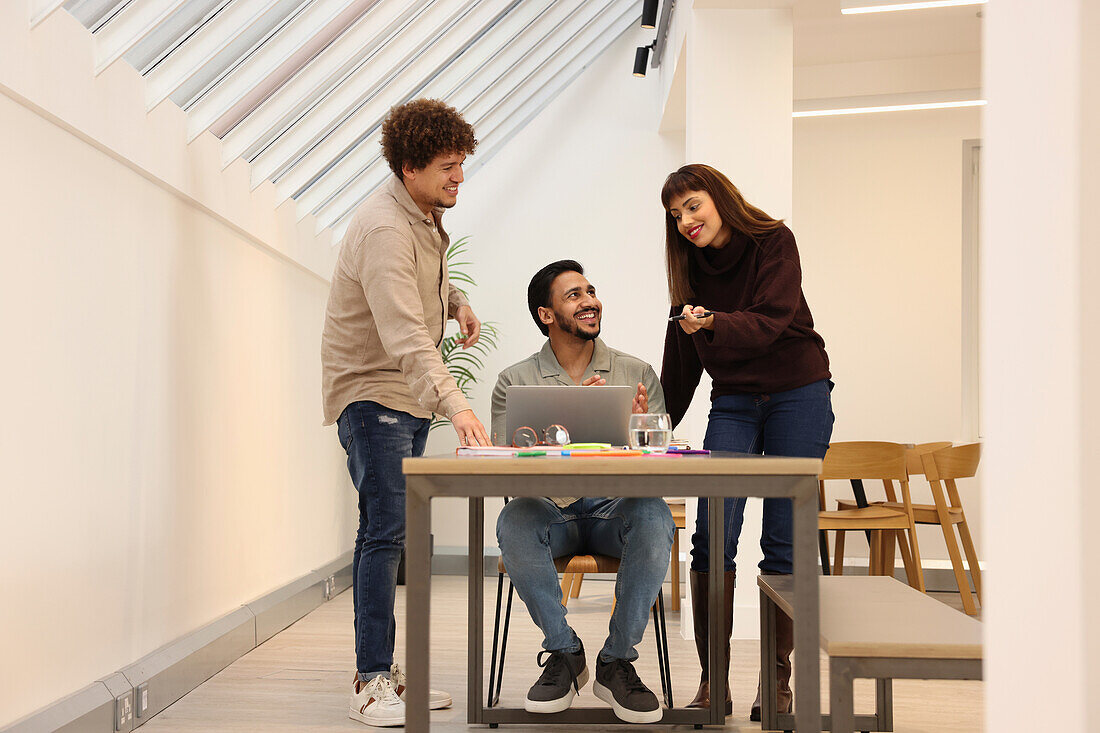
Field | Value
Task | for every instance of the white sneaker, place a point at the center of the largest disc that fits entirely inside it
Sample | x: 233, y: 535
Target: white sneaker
x: 437, y: 699
x: 376, y: 702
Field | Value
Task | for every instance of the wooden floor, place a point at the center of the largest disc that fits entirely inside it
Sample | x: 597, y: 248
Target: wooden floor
x: 300, y: 680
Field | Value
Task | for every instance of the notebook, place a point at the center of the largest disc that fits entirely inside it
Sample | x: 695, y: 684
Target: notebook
x: 590, y: 414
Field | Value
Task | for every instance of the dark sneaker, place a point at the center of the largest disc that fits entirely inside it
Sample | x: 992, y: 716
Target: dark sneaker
x: 618, y: 684
x: 563, y: 676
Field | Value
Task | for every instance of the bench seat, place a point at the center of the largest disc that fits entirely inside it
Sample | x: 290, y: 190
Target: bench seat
x: 877, y: 627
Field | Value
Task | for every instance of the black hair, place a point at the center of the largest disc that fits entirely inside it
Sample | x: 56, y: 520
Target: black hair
x: 538, y: 292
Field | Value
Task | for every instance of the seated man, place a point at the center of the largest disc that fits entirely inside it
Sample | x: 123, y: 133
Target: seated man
x: 531, y: 531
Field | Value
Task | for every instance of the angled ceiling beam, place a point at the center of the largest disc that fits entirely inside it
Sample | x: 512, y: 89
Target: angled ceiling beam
x: 318, y: 79
x: 41, y: 9
x: 172, y: 33
x: 440, y: 44
x: 339, y: 170
x: 547, y: 92
x: 305, y: 54
x: 525, y: 98
x: 128, y: 27
x: 345, y: 184
x: 92, y: 14
x: 348, y: 94
x: 181, y: 64
x: 348, y: 173
x: 266, y: 57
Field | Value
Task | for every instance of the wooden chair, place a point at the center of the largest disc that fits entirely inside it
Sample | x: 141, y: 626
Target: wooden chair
x: 873, y: 461
x: 571, y: 580
x: 941, y: 465
x: 573, y: 566
x: 914, y: 466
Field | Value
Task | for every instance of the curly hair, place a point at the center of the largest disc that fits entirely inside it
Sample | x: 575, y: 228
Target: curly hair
x: 416, y: 133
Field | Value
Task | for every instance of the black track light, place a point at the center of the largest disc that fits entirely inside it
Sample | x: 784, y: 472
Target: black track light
x: 641, y: 58
x: 649, y: 13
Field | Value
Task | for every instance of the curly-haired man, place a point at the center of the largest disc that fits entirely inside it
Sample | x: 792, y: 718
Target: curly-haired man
x: 383, y: 375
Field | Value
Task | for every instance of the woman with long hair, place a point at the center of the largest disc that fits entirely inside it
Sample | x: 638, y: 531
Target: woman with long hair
x: 735, y: 279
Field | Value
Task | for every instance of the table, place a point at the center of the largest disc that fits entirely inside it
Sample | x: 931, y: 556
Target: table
x: 716, y: 476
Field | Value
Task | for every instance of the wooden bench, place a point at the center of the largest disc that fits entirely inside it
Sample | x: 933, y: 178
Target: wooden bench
x: 871, y: 627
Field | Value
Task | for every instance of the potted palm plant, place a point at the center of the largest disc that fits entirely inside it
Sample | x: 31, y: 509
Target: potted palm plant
x: 464, y: 365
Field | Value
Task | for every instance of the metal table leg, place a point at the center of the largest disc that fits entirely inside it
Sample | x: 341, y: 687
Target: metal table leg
x: 476, y: 628
x: 841, y: 714
x: 418, y: 521
x: 768, y: 671
x: 716, y: 587
x: 807, y: 699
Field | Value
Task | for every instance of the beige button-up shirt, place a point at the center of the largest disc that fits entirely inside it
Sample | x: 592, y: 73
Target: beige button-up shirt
x: 389, y: 302
x: 616, y: 367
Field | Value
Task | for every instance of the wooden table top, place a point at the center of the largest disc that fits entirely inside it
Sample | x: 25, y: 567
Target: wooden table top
x: 729, y: 464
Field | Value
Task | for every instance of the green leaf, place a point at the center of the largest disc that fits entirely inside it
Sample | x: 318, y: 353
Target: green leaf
x: 467, y: 357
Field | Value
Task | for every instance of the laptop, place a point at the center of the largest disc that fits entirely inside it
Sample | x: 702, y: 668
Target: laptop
x: 590, y: 414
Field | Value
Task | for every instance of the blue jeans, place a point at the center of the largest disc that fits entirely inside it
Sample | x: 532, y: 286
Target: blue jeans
x: 376, y: 438
x: 799, y: 423
x: 533, y: 531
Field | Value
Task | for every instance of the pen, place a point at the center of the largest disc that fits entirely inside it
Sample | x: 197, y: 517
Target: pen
x: 705, y: 314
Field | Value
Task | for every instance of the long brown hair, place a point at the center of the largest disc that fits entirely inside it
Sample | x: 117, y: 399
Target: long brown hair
x: 732, y: 208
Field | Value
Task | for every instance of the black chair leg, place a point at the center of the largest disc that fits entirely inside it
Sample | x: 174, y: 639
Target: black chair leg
x: 496, y: 634
x: 664, y: 643
x: 660, y: 662
x: 662, y: 649
x: 504, y: 642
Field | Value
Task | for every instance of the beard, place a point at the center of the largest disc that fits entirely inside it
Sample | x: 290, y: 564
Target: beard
x: 571, y: 327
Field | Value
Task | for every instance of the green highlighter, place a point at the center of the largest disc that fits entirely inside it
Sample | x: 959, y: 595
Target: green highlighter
x: 587, y: 446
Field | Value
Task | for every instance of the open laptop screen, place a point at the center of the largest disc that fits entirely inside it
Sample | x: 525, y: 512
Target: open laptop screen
x: 590, y: 414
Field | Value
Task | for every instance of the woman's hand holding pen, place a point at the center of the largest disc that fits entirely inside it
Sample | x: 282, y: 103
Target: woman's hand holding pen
x: 695, y: 317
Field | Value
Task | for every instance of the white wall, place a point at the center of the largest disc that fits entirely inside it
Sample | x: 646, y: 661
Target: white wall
x: 1040, y: 360
x: 162, y: 459
x: 878, y: 216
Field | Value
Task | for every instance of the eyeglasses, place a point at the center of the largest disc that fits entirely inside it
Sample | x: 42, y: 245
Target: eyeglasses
x: 525, y: 437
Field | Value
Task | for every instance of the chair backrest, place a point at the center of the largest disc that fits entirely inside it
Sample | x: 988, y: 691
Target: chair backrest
x: 914, y: 455
x: 948, y: 464
x: 865, y: 460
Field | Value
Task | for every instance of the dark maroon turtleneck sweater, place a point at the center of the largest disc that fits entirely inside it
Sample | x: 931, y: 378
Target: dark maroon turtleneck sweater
x: 763, y: 339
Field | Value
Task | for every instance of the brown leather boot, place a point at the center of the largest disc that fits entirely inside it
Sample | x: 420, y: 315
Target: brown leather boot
x: 784, y: 645
x: 700, y: 597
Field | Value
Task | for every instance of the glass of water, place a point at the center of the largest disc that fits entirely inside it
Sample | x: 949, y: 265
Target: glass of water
x: 650, y: 431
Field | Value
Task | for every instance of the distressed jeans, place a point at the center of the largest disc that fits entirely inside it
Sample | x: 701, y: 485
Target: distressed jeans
x: 532, y: 531
x: 376, y: 439
x: 798, y: 423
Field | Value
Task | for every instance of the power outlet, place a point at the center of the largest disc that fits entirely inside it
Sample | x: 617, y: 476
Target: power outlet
x: 124, y: 711
x: 141, y: 695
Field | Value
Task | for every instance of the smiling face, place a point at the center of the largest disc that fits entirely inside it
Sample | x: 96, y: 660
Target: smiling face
x: 436, y: 184
x: 698, y: 220
x: 574, y: 308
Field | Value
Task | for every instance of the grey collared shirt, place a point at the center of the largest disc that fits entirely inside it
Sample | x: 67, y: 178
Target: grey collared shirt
x: 616, y: 367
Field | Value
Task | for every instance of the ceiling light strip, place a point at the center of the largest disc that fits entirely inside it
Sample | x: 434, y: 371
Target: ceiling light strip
x: 888, y: 108
x: 851, y: 9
